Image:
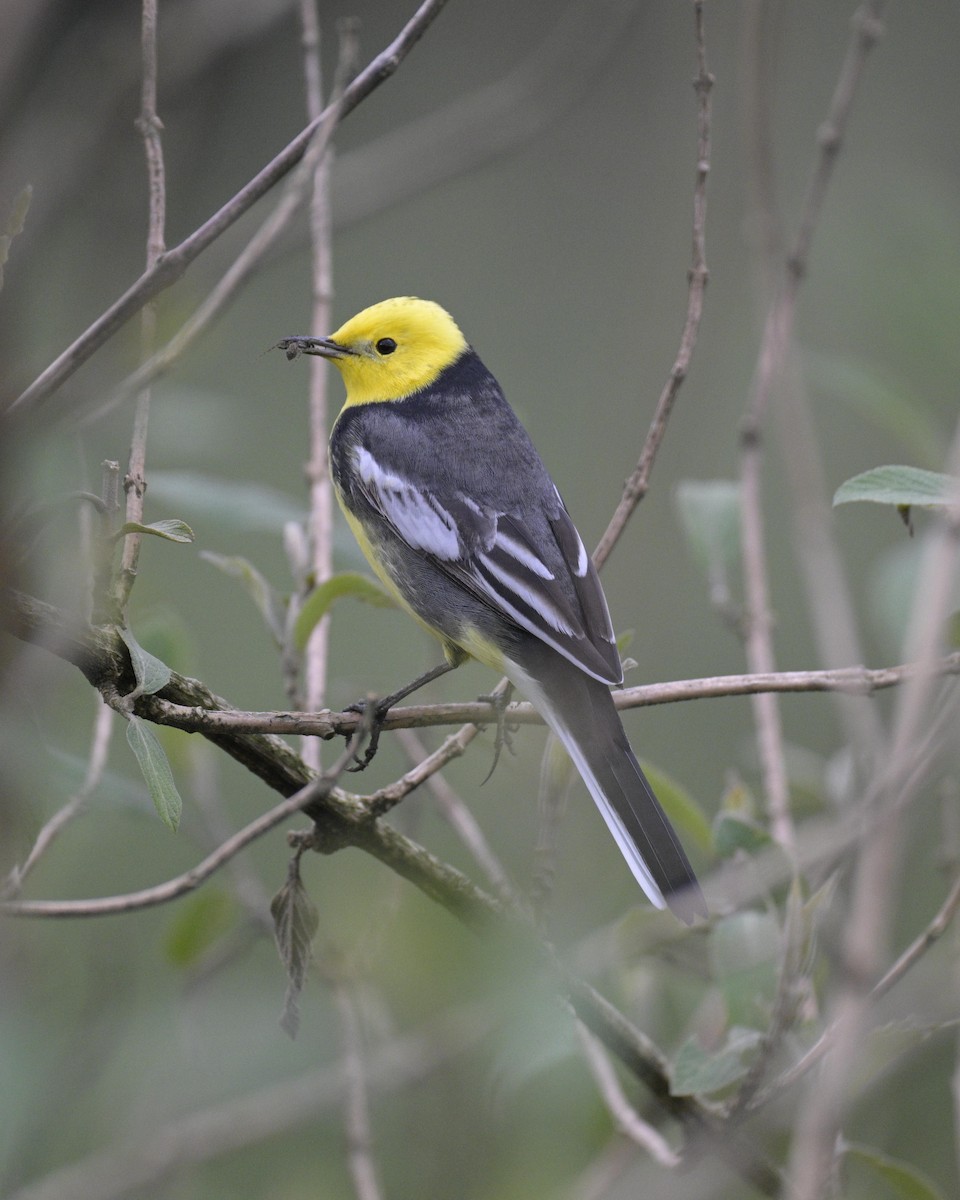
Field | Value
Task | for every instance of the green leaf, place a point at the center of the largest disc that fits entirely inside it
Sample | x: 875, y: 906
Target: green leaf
x: 151, y: 674
x: 697, y: 1071
x: 156, y: 771
x: 679, y: 805
x: 892, y: 591
x: 902, y: 487
x: 167, y: 635
x: 877, y: 400
x: 317, y: 604
x: 625, y: 641
x: 904, y: 1179
x: 170, y: 531
x: 737, y: 831
x: 709, y: 511
x: 248, y: 507
x: 199, y: 922
x: 15, y: 223
x: 295, y: 922
x: 270, y: 604
x: 745, y: 952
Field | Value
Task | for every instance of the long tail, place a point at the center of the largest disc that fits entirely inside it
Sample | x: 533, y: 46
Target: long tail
x: 581, y: 712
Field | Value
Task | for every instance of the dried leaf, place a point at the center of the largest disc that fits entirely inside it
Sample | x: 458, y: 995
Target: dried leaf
x: 295, y: 922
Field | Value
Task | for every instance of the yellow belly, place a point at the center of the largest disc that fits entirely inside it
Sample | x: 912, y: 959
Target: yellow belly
x: 471, y: 645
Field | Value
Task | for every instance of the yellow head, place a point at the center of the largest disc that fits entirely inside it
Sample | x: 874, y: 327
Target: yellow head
x: 392, y: 349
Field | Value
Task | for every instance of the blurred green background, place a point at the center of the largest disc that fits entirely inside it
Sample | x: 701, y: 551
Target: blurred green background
x: 555, y: 226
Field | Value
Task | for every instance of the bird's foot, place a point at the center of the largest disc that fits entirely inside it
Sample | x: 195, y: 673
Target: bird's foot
x: 499, y: 701
x: 377, y: 710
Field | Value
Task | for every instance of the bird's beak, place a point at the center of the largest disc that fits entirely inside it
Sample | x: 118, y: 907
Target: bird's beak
x: 324, y: 347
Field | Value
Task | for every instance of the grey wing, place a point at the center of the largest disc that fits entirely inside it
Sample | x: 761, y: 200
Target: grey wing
x: 545, y: 584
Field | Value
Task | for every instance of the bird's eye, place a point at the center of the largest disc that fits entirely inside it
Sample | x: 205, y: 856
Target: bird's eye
x: 386, y: 346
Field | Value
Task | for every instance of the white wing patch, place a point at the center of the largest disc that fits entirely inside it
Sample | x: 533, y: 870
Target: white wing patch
x: 516, y: 589
x: 493, y: 555
x: 520, y: 552
x: 582, y: 560
x: 422, y: 522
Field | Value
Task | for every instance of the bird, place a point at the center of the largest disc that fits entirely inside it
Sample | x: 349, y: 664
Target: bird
x: 459, y: 518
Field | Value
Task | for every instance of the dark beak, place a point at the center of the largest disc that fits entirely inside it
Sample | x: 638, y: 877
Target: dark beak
x: 293, y: 347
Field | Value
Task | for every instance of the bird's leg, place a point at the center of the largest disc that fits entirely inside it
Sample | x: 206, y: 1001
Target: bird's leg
x: 382, y: 707
x: 499, y: 701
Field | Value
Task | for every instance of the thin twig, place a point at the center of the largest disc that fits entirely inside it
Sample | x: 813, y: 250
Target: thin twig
x: 458, y: 814
x: 149, y: 124
x: 771, y: 360
x: 818, y: 557
x: 636, y: 486
x: 358, y: 1128
x: 189, y: 705
x: 172, y: 889
x: 758, y: 646
x: 627, y: 1119
x: 557, y: 774
x: 894, y: 973
x: 343, y: 821
x: 454, y: 746
x: 138, y: 1164
x: 96, y: 764
x: 873, y: 901
x: 246, y: 262
x: 175, y: 262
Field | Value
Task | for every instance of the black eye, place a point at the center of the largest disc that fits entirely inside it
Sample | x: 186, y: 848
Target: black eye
x: 386, y: 346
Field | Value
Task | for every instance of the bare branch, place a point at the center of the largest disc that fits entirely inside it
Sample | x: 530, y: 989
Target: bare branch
x: 873, y: 900
x: 497, y: 118
x: 822, y: 570
x: 149, y: 124
x: 758, y: 646
x: 189, y: 705
x: 363, y: 1169
x: 173, y: 264
x: 636, y: 486
x: 894, y: 973
x: 380, y: 802
x: 96, y: 764
x: 340, y: 821
x: 138, y: 1164
x: 627, y: 1119
x: 243, y: 265
x: 458, y: 813
x: 857, y: 681
x: 772, y: 357
x: 317, y: 789
x: 320, y: 526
